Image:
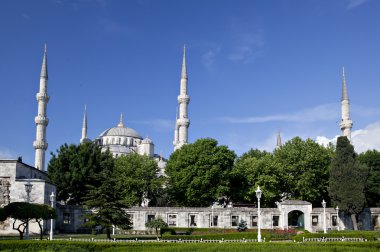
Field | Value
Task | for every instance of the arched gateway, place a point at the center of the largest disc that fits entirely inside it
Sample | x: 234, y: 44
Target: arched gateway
x: 296, y: 213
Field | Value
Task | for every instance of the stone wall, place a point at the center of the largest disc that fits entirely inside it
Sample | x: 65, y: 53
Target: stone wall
x: 13, y: 176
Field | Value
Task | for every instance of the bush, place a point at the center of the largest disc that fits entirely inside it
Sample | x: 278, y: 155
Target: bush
x: 242, y: 226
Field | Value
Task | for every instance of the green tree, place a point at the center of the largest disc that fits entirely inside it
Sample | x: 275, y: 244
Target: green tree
x: 157, y: 224
x: 347, y: 180
x: 71, y: 169
x: 305, y: 170
x: 254, y: 169
x: 23, y: 212
x: 135, y: 176
x: 106, y: 201
x: 199, y: 173
x: 372, y: 192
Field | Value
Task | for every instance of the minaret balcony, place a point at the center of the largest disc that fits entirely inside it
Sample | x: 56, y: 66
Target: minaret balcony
x: 40, y: 145
x: 41, y: 120
x: 42, y: 97
x: 345, y: 124
x: 183, y: 122
x: 183, y: 99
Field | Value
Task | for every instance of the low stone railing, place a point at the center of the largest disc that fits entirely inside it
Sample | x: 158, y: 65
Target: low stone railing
x: 333, y: 239
x: 158, y: 240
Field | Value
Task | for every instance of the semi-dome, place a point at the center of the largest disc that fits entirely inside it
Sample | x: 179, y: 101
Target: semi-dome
x: 121, y: 131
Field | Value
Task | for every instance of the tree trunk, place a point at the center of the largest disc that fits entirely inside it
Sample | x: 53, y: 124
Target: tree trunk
x: 354, y: 223
x: 157, y: 232
x: 21, y: 232
x: 39, y: 224
x: 108, y: 233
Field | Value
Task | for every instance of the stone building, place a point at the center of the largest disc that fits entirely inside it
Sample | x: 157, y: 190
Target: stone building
x: 287, y: 214
x: 14, y: 175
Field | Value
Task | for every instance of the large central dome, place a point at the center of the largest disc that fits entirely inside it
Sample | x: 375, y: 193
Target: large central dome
x: 121, y: 131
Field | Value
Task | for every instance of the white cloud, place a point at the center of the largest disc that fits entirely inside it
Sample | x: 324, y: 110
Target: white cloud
x: 247, y: 48
x: 160, y: 125
x: 355, y: 3
x: 208, y: 58
x: 25, y: 16
x: 111, y: 26
x: 362, y: 139
x: 324, y: 112
x: 6, y: 153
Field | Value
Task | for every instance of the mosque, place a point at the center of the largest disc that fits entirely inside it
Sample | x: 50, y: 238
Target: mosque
x: 122, y: 140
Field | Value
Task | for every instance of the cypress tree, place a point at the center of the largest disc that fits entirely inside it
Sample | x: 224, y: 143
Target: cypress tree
x: 347, y: 180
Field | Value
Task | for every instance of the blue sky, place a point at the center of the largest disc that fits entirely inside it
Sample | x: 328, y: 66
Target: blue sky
x: 254, y: 67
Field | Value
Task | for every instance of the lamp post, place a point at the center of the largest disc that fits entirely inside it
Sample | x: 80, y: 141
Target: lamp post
x: 52, y: 198
x: 283, y: 216
x: 324, y: 216
x: 28, y: 189
x: 337, y: 216
x: 258, y: 195
x: 212, y: 215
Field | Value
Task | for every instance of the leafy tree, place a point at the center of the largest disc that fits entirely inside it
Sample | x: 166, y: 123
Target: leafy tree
x: 24, y: 212
x: 347, y: 180
x: 157, y: 224
x: 255, y: 169
x: 106, y: 201
x: 372, y: 192
x: 135, y: 176
x: 71, y: 168
x: 199, y: 173
x: 305, y: 169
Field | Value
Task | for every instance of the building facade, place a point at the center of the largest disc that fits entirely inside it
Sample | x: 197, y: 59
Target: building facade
x: 14, y: 175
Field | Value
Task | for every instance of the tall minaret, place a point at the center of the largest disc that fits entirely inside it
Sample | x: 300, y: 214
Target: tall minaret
x: 40, y: 145
x: 84, y: 127
x: 278, y: 145
x: 345, y: 123
x: 183, y: 121
x: 175, y: 141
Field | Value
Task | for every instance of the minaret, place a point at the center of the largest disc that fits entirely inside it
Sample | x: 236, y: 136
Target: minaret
x: 40, y: 145
x: 278, y: 145
x: 183, y: 121
x: 345, y: 123
x: 84, y: 127
x: 175, y: 141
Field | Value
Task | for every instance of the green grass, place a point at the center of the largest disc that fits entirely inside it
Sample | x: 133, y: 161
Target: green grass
x: 62, y: 246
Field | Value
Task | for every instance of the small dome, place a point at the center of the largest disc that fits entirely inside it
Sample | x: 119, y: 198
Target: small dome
x: 146, y: 141
x: 121, y: 131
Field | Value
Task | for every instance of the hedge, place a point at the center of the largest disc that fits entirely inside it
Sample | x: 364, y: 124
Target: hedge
x: 63, y: 246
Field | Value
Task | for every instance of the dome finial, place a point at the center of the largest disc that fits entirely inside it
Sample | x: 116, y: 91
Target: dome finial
x: 121, y: 120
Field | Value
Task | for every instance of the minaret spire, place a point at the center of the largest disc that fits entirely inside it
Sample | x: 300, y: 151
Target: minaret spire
x: 344, y: 87
x: 84, y: 127
x: 40, y: 145
x: 278, y: 145
x: 182, y: 122
x: 184, y: 70
x: 121, y: 121
x: 345, y: 123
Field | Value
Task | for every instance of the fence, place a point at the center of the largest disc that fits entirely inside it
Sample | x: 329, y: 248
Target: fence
x: 158, y: 240
x: 334, y: 239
